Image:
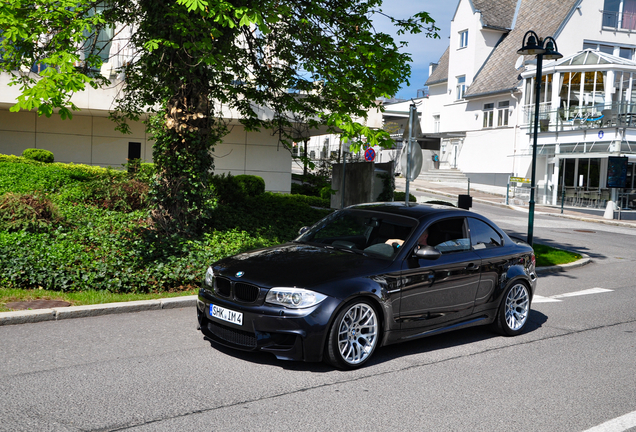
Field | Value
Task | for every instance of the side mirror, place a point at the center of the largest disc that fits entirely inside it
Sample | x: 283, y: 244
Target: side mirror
x: 427, y: 253
x: 303, y: 230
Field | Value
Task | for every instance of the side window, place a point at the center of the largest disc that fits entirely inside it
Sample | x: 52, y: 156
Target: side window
x: 449, y: 235
x: 483, y: 236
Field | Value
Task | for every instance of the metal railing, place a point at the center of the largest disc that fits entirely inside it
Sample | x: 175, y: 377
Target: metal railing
x: 618, y: 20
x: 621, y: 114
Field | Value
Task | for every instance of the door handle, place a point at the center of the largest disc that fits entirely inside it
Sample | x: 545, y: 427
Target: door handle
x: 472, y: 267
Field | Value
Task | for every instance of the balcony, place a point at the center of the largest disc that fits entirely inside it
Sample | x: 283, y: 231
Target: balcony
x: 615, y: 20
x: 617, y: 115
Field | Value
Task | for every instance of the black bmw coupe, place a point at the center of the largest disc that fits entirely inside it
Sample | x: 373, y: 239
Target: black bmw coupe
x: 367, y: 276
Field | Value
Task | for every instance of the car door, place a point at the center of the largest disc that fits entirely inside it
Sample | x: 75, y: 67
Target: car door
x: 435, y: 292
x: 488, y: 243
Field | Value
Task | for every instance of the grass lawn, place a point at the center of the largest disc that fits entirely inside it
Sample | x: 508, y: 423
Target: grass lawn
x: 80, y: 298
x: 549, y: 256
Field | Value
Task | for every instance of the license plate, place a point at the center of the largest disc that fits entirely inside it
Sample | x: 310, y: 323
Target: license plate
x: 226, y: 314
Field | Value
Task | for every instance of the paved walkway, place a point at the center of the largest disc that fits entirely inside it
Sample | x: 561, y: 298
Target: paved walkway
x: 495, y: 195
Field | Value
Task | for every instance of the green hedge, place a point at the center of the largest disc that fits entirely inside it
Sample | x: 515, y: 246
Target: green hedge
x: 252, y: 185
x: 58, y: 233
x: 401, y: 196
x: 39, y: 155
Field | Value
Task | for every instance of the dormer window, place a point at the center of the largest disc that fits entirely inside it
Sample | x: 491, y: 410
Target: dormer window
x: 463, y: 39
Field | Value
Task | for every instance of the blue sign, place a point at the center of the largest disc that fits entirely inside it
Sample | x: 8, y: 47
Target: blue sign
x: 600, y: 134
x: 369, y: 154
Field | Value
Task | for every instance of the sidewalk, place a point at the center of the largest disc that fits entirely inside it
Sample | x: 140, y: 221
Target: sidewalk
x: 496, y: 195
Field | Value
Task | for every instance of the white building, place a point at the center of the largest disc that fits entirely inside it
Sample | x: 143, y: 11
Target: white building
x: 482, y: 95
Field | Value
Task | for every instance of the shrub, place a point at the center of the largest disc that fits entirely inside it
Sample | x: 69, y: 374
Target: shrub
x: 440, y: 202
x: 227, y: 190
x: 21, y: 175
x: 39, y: 155
x: 25, y: 212
x: 111, y: 193
x: 252, y: 185
x: 72, y: 239
x: 312, y: 201
x: 305, y: 189
x: 277, y: 217
x: 401, y: 196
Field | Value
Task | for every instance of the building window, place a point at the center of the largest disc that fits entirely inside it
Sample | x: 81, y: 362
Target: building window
x: 620, y: 14
x: 461, y: 86
x: 463, y: 39
x: 489, y: 112
x: 626, y: 53
x: 502, y: 113
x: 436, y: 123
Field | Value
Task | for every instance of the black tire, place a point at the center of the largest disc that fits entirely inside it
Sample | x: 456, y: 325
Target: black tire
x: 512, y: 316
x: 354, y: 335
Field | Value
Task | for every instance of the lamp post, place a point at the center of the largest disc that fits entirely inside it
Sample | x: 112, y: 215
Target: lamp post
x: 542, y: 48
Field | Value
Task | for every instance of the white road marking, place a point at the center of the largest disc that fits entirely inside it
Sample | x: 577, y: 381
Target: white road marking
x: 555, y: 298
x: 541, y: 299
x: 618, y: 424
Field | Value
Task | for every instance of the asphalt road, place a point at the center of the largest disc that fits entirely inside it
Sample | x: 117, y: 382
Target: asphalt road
x: 574, y: 369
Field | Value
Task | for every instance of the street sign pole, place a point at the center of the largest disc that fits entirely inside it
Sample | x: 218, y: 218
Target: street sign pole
x: 412, y: 116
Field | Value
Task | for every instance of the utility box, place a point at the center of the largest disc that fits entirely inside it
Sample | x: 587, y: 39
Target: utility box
x: 464, y: 201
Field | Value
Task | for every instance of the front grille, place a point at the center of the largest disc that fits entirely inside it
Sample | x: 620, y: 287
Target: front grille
x: 246, y: 292
x: 223, y: 286
x: 236, y: 337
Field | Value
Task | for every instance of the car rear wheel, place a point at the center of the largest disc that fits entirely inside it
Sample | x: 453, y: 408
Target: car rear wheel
x: 515, y: 308
x: 353, y: 336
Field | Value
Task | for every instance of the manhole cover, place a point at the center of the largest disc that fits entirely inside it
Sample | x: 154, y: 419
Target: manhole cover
x: 36, y: 304
x: 586, y: 231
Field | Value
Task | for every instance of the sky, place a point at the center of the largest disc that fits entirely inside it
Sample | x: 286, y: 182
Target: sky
x: 423, y: 50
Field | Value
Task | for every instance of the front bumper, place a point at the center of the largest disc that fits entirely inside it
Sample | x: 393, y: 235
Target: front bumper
x: 289, y: 334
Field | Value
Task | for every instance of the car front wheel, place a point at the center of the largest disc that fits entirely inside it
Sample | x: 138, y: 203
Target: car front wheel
x: 353, y: 335
x: 515, y: 308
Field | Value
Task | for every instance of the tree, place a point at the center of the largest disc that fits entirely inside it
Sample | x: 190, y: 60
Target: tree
x: 270, y: 61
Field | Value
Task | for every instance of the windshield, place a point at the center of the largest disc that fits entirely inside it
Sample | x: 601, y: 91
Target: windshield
x: 373, y: 233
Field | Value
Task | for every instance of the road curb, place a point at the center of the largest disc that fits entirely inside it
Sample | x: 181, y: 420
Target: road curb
x: 54, y: 314
x: 564, y: 267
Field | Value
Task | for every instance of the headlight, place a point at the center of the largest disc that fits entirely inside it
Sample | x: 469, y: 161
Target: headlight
x: 295, y: 298
x: 209, y: 277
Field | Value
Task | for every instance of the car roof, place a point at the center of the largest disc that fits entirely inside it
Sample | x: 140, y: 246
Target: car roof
x: 414, y: 210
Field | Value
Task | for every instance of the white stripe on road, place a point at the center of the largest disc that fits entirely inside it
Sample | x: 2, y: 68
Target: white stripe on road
x: 555, y: 298
x: 584, y: 292
x: 618, y: 424
x: 541, y: 299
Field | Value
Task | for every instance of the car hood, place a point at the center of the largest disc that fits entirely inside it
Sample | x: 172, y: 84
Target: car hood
x: 299, y: 265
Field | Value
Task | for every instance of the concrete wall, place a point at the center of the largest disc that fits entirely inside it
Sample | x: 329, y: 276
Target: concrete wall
x: 93, y: 140
x: 255, y: 153
x: 83, y: 139
x: 359, y: 177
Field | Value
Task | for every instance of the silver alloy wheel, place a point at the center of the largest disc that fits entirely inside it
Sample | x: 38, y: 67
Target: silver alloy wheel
x: 357, y: 333
x: 517, y: 307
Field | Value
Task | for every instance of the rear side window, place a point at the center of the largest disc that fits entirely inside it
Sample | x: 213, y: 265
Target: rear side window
x: 483, y: 236
x: 449, y: 235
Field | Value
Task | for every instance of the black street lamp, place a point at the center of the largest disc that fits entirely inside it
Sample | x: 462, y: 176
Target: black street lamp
x: 542, y: 48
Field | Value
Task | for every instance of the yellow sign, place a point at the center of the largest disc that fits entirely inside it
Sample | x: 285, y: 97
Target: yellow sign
x: 519, y: 180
